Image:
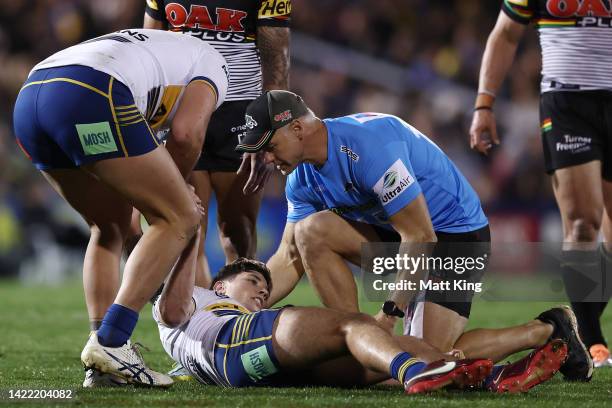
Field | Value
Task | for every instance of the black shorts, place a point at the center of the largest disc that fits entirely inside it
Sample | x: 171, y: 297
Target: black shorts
x: 576, y: 129
x: 226, y: 125
x: 473, y: 244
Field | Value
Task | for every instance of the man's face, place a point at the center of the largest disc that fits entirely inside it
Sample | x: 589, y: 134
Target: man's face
x: 249, y: 288
x: 285, y: 149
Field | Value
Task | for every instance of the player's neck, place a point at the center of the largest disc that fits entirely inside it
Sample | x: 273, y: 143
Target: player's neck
x: 315, y: 148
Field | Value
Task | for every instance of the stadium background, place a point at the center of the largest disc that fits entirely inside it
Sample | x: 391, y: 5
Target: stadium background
x: 418, y: 59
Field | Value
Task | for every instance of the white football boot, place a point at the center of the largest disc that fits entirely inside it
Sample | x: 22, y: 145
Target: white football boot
x: 124, y: 362
x: 96, y: 379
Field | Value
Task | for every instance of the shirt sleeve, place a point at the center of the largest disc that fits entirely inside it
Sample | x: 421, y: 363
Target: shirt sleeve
x: 213, y: 70
x: 521, y: 11
x: 275, y: 13
x: 391, y: 178
x: 155, y: 9
x: 298, y: 207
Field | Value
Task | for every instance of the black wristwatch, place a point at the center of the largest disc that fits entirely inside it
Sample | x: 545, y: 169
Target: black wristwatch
x: 390, y: 309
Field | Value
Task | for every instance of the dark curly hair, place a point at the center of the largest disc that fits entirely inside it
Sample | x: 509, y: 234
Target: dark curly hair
x: 243, y: 265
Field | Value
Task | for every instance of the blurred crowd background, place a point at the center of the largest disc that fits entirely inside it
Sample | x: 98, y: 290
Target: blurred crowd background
x: 418, y: 59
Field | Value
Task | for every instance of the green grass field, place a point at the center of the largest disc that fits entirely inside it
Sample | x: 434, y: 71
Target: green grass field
x: 43, y: 330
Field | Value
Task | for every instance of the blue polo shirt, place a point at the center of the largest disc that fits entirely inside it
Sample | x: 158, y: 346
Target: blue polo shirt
x: 376, y: 165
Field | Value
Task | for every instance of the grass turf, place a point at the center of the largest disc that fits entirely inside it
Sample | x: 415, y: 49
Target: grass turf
x: 43, y: 330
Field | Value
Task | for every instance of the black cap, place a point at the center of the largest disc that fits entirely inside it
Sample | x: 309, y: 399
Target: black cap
x: 267, y: 113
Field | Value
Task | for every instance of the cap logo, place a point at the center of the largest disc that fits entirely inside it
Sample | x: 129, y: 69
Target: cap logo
x: 250, y: 122
x: 283, y: 116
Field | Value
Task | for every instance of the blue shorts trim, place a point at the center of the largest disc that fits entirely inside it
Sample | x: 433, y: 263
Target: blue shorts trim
x: 69, y: 116
x: 244, y: 354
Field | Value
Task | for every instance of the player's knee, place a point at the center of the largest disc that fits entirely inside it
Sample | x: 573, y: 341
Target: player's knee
x: 353, y: 320
x: 189, y: 221
x: 584, y: 228
x: 108, y: 235
x: 311, y: 234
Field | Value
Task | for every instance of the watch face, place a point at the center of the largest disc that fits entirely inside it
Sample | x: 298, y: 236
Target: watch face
x: 388, y: 307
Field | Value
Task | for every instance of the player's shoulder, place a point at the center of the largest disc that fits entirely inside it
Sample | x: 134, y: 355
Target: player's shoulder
x: 366, y: 132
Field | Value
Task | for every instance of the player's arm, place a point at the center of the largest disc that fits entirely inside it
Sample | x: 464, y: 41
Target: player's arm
x: 154, y: 15
x: 273, y: 36
x: 176, y: 304
x: 273, y: 45
x: 496, y: 61
x: 189, y: 125
x: 285, y: 266
x: 413, y: 224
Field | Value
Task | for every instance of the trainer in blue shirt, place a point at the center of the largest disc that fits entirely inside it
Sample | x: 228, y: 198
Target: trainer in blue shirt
x: 359, y: 178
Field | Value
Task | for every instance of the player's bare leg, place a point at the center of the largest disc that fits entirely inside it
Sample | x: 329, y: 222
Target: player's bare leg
x: 155, y: 187
x: 579, y: 191
x: 306, y: 336
x: 108, y: 226
x: 203, y: 188
x: 236, y: 214
x: 442, y: 326
x: 326, y: 241
x: 153, y: 184
x: 497, y: 344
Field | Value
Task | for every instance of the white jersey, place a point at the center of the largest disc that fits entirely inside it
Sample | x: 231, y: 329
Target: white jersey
x: 193, y: 343
x: 155, y: 65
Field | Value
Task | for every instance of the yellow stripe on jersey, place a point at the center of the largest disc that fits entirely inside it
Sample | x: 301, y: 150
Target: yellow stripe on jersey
x: 122, y: 107
x: 112, y: 107
x: 140, y: 119
x: 125, y: 113
x: 152, y: 4
x: 168, y: 99
x: 128, y: 118
x: 518, y: 7
x: 522, y: 3
x: 240, y: 343
x: 246, y: 331
x: 72, y: 81
x: 225, y: 306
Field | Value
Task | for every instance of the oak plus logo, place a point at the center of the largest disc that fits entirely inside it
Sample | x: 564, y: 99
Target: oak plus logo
x: 578, y: 8
x: 393, y: 182
x: 200, y: 17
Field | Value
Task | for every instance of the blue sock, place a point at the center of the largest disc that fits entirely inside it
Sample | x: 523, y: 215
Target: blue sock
x: 117, y: 326
x: 489, y: 380
x: 404, y: 367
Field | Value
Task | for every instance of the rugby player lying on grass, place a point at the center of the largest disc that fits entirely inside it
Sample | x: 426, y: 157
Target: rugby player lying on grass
x: 225, y: 336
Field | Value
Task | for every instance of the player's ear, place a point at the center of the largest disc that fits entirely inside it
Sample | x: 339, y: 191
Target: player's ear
x: 297, y: 126
x: 219, y: 287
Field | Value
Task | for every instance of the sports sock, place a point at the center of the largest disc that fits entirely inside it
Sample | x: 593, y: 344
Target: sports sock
x: 117, y: 326
x: 404, y: 366
x: 582, y: 275
x: 94, y: 325
x: 607, y: 273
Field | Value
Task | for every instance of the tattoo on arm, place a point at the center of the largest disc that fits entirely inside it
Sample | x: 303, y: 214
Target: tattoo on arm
x: 273, y: 44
